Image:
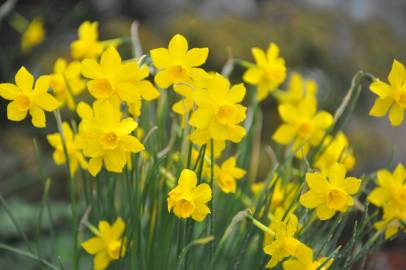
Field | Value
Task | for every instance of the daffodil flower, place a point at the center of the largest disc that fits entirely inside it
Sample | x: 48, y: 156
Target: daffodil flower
x: 305, y: 261
x: 88, y: 44
x: 25, y: 99
x: 227, y: 174
x: 33, y: 35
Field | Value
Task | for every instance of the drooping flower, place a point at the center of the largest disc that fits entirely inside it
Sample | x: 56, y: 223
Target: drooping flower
x: 303, y: 125
x: 33, y: 35
x: 336, y: 150
x: 392, y: 96
x: 330, y: 193
x: 218, y: 113
x: 188, y: 200
x: 227, y: 174
x: 177, y: 63
x: 269, y: 71
x: 298, y: 89
x: 284, y: 244
x: 72, y: 148
x: 108, y: 244
x: 114, y: 80
x: 105, y: 137
x: 391, y: 196
x: 66, y: 81
x: 304, y: 261
x: 25, y: 99
x: 88, y: 44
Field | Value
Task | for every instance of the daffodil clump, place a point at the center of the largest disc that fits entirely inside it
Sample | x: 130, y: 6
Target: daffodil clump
x: 164, y: 155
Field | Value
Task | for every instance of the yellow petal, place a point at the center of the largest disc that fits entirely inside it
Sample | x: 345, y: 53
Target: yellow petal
x: 94, y: 166
x: 9, y: 91
x: 162, y: 79
x: 126, y: 126
x: 24, y: 79
x: 197, y: 56
x: 284, y: 134
x: 316, y: 181
x: 381, y: 107
x: 399, y: 174
x: 307, y: 107
x: 202, y: 193
x: 161, y: 58
x: 37, y: 117
x: 396, y: 115
x: 14, y: 113
x: 47, y: 102
x: 201, y: 118
x: 42, y: 84
x: 323, y: 120
x: 187, y: 179
x: 178, y: 46
x: 236, y: 133
x: 289, y: 113
x: 110, y: 60
x: 351, y: 185
x: 101, y: 260
x: 378, y: 196
x: 93, y: 245
x: 259, y: 56
x: 312, y: 199
x: 236, y: 93
x: 147, y: 90
x: 118, y: 228
x: 90, y: 69
x: 200, y: 212
x: 127, y: 92
x: 84, y: 110
x: 253, y: 75
x: 380, y: 88
x: 397, y: 74
x: 132, y: 144
x: 273, y: 52
x: 324, y: 213
x: 115, y: 160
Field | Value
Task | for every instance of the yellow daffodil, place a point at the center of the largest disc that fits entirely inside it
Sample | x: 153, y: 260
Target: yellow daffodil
x: 177, y: 63
x: 227, y: 174
x: 108, y: 244
x: 115, y: 81
x: 187, y: 199
x: 302, y: 125
x: 269, y: 71
x: 298, y: 88
x: 330, y: 193
x: 285, y: 244
x: 391, y: 196
x: 66, y: 81
x: 105, y: 137
x: 305, y: 261
x: 392, y: 96
x: 33, y: 35
x: 336, y: 150
x: 88, y: 44
x: 25, y: 99
x: 218, y: 112
x: 75, y: 155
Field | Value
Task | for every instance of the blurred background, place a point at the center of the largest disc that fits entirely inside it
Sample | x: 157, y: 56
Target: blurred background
x: 326, y: 40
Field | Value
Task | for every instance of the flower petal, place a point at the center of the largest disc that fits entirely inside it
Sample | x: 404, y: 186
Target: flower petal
x: 289, y: 113
x: 90, y: 69
x: 101, y: 260
x: 200, y: 212
x: 162, y: 79
x: 47, y: 102
x: 336, y: 174
x: 253, y: 75
x: 24, y: 79
x: 14, y: 113
x: 187, y: 179
x: 118, y: 228
x: 178, y: 46
x: 312, y: 199
x: 161, y: 58
x: 236, y: 93
x: 381, y: 107
x: 93, y: 245
x: 9, y: 91
x: 324, y: 213
x: 323, y: 120
x: 110, y: 60
x: 147, y: 90
x: 197, y: 56
x: 37, y: 117
x: 42, y: 84
x: 132, y: 144
x: 397, y: 74
x: 259, y: 56
x: 396, y: 115
x: 202, y: 193
x: 94, y: 166
x: 284, y: 134
x: 351, y: 185
x: 126, y: 126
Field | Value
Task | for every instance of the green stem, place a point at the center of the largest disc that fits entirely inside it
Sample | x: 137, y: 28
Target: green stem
x: 211, y: 217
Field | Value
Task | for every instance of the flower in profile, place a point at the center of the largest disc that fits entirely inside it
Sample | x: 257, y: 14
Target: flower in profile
x: 330, y: 193
x: 227, y: 174
x: 298, y: 89
x: 303, y: 125
x: 335, y: 150
x: 218, y: 113
x: 115, y: 81
x: 269, y: 71
x: 284, y: 244
x: 392, y: 96
x: 188, y: 200
x: 105, y: 137
x: 72, y: 148
x: 108, y: 244
x: 66, y: 81
x: 391, y: 196
x: 25, y: 99
x: 177, y: 63
x: 88, y: 44
x: 304, y: 261
x: 33, y: 35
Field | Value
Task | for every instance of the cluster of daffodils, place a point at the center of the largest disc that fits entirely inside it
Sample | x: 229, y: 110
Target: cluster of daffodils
x: 168, y: 150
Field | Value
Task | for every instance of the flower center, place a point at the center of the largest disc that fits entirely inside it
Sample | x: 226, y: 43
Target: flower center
x: 336, y: 199
x: 400, y: 98
x: 225, y: 114
x: 275, y: 73
x: 113, y: 249
x: 400, y: 196
x: 305, y: 129
x: 184, y: 208
x: 109, y: 140
x: 177, y: 74
x: 227, y: 182
x: 23, y: 102
x: 102, y: 88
